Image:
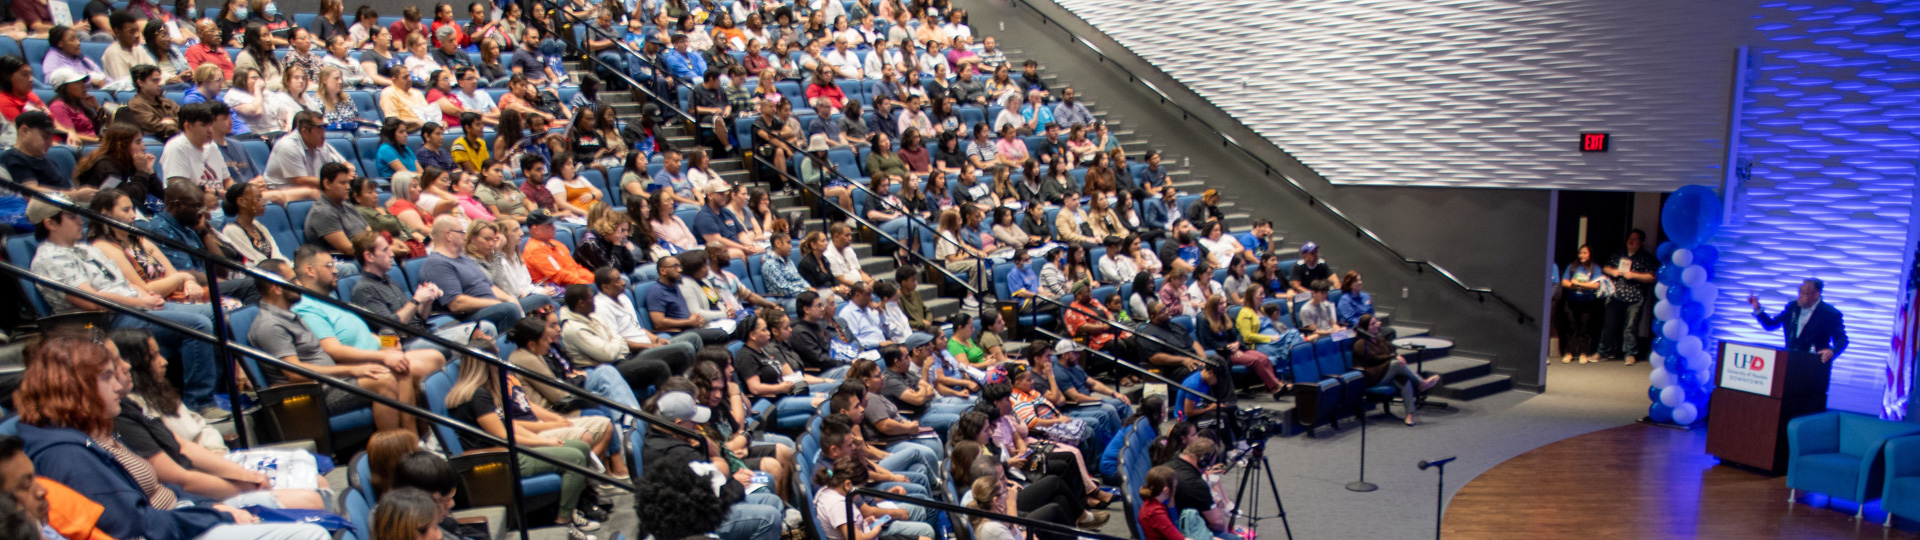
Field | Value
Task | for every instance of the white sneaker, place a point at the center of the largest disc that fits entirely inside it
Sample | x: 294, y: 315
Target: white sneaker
x: 970, y: 304
x: 793, y: 519
x: 582, y: 524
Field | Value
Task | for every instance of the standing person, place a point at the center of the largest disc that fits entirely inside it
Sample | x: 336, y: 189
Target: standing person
x: 1631, y: 270
x: 1584, y: 304
x: 1812, y: 324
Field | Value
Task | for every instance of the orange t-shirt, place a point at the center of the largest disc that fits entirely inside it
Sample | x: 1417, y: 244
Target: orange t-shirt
x: 73, y: 514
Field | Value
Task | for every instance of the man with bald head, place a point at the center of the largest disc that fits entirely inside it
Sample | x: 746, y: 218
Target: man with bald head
x: 465, y: 290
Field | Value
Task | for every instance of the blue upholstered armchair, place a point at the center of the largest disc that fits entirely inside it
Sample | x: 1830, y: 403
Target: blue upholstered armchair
x: 1901, y: 494
x: 1840, y: 454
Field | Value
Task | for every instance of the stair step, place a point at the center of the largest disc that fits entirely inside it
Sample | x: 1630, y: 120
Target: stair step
x: 1475, y: 388
x: 928, y: 293
x: 941, y: 308
x: 1456, y: 368
x: 1406, y: 330
x: 876, y: 266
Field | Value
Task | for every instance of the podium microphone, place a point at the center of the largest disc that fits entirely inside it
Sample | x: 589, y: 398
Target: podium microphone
x: 1437, y: 463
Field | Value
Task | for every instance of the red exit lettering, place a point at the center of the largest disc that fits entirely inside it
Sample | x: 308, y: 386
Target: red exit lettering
x: 1593, y: 142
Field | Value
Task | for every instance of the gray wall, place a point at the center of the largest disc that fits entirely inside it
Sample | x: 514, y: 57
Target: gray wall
x: 1495, y: 238
x: 1481, y: 93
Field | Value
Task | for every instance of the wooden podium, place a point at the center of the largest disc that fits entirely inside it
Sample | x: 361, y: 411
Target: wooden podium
x: 1759, y: 389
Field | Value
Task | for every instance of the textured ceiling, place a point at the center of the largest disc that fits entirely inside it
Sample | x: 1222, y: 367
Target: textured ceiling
x: 1458, y: 93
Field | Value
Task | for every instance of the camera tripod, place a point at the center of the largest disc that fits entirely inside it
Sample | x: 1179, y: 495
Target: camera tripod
x: 1255, y: 457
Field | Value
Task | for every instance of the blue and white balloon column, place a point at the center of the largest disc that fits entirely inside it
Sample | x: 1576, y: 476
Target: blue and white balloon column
x: 1682, y: 359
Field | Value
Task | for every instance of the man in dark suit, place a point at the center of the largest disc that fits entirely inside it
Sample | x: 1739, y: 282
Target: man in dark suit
x: 1812, y: 325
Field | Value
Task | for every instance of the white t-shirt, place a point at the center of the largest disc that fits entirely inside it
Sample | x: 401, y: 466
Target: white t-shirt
x: 830, y: 507
x: 259, y: 123
x: 844, y: 262
x: 479, y: 101
x: 203, y: 165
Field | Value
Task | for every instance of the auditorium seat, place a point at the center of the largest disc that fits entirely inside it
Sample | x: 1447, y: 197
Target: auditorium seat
x: 296, y: 408
x: 359, y: 510
x: 20, y: 250
x: 281, y: 227
x: 1316, y: 397
x: 1901, y: 494
x: 1839, y: 454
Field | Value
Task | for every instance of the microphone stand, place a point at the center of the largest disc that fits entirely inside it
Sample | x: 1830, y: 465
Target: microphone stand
x: 1440, y: 490
x: 1362, y: 485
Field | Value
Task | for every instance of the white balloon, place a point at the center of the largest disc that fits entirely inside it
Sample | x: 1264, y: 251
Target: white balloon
x: 1673, y: 396
x: 1705, y: 293
x: 1700, y: 364
x: 1665, y: 311
x: 1693, y: 276
x: 1684, y: 413
x: 1674, y: 329
x: 1689, y: 346
x: 1659, y: 377
x: 1683, y: 257
x: 1706, y: 307
x: 1656, y: 358
x: 1660, y: 291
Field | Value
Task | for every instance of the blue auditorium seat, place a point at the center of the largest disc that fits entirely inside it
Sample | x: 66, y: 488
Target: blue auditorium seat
x: 20, y: 250
x: 1839, y: 454
x: 281, y: 227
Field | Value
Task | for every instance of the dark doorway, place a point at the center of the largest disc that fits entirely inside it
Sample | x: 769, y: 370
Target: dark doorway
x: 1608, y: 216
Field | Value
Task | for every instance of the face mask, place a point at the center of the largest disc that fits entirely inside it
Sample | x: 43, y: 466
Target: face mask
x: 240, y: 12
x: 273, y: 10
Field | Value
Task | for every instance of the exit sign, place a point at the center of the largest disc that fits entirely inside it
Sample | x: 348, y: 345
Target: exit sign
x: 1594, y: 142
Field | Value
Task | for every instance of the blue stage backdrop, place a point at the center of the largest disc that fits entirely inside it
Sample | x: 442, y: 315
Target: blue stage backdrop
x: 1827, y: 135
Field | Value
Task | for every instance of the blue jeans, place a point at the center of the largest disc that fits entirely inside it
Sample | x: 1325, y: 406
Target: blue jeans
x: 912, y: 457
x: 1102, y: 419
x: 792, y: 411
x: 198, y: 368
x: 605, y: 381
x: 896, y: 228
x: 505, y: 314
x: 758, y: 517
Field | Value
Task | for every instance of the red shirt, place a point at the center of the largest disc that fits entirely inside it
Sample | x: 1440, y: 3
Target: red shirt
x: 400, y: 32
x: 1155, y: 524
x: 831, y: 92
x: 203, y: 53
x: 460, y: 38
x: 12, y: 105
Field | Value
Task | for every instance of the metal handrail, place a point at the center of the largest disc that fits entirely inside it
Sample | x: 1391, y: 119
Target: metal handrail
x: 514, y: 449
x: 1110, y: 322
x: 820, y: 196
x: 327, y: 298
x: 1136, y: 368
x: 1267, y: 169
x: 1030, y: 524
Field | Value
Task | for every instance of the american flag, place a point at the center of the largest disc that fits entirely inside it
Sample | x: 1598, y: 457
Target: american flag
x: 1906, y: 336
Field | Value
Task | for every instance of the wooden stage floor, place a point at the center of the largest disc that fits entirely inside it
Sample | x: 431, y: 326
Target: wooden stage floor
x: 1640, y: 481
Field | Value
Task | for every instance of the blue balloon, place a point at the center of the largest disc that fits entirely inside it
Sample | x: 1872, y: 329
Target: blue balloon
x: 1653, y: 394
x: 1687, y: 379
x: 1661, y: 413
x: 1665, y: 252
x: 1705, y: 255
x: 1670, y: 275
x: 1676, y: 364
x: 1665, y: 347
x: 1693, y: 311
x: 1677, y: 292
x: 1697, y: 394
x: 1691, y: 215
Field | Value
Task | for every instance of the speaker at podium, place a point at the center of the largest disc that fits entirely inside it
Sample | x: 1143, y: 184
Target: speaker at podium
x: 1760, y: 389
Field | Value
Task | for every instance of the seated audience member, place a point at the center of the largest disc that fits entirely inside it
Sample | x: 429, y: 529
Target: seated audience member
x: 476, y: 399
x: 68, y: 399
x: 156, y: 397
x: 1258, y: 241
x: 245, y: 234
x: 1161, y: 212
x: 813, y: 334
x: 405, y: 103
x: 1380, y: 363
x: 426, y: 472
x: 376, y: 293
x: 1317, y: 312
x: 122, y: 157
x: 64, y: 258
x: 907, y: 466
x: 1018, y: 445
x: 840, y: 256
x: 729, y: 285
x: 830, y: 507
x: 282, y: 333
x: 1309, y: 269
x: 918, y: 317
x: 1156, y: 495
x: 536, y: 340
x: 137, y: 257
x: 1192, y: 492
x: 1218, y: 333
x: 1354, y: 302
x: 814, y: 268
x: 77, y: 115
x: 667, y: 305
x: 28, y: 163
x: 716, y: 224
x: 403, y: 513
x: 1206, y: 209
x: 606, y: 242
x: 962, y: 346
x: 498, y: 193
x: 293, y: 167
x: 548, y: 260
x: 614, y: 308
x: 750, y: 516
x: 863, y: 318
x: 883, y: 422
x: 149, y: 109
x: 771, y: 371
x: 365, y: 200
x: 770, y: 453
x: 1087, y: 318
x: 572, y: 194
x: 1039, y: 413
x: 1083, y: 395
x: 331, y: 224
x: 1166, y: 345
x: 920, y: 393
x: 181, y: 462
x: 896, y: 327
x: 466, y: 291
x: 590, y: 342
x: 486, y: 243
